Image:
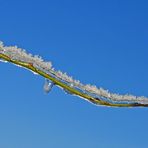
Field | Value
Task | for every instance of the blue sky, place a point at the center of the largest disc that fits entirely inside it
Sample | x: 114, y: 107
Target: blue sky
x: 98, y: 42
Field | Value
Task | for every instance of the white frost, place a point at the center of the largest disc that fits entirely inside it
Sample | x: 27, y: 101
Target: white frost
x: 19, y: 54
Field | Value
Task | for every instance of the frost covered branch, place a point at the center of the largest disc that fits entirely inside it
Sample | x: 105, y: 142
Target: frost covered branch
x: 91, y: 93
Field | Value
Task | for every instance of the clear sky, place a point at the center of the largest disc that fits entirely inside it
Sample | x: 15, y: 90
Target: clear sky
x: 101, y: 42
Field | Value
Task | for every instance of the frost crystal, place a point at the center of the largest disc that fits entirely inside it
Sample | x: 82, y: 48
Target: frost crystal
x: 20, y: 55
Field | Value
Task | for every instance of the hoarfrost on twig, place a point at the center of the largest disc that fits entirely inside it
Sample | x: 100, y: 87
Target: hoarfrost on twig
x: 20, y: 55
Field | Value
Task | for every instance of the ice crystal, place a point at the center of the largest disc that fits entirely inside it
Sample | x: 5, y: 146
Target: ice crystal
x: 18, y: 54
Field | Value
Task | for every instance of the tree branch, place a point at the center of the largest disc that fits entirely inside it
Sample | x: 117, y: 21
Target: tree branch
x: 90, y: 93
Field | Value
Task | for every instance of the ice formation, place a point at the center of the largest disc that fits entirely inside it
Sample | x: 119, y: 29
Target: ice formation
x: 20, y: 55
x: 48, y: 85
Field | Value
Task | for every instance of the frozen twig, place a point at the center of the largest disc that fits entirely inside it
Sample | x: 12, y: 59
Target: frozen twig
x: 91, y: 93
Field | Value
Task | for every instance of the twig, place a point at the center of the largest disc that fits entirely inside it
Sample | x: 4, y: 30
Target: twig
x: 90, y: 93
